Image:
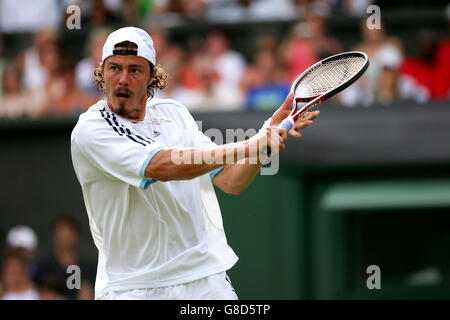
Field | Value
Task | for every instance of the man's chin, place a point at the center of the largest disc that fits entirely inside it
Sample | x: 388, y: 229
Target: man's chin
x: 123, y: 106
x: 122, y: 109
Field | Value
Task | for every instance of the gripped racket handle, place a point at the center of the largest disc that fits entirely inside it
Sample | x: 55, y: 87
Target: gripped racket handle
x: 287, y: 124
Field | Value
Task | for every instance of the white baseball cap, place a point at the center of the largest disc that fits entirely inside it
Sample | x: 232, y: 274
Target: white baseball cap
x: 138, y: 36
x: 22, y: 236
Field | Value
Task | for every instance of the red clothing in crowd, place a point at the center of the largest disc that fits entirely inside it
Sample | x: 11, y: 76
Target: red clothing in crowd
x: 435, y: 75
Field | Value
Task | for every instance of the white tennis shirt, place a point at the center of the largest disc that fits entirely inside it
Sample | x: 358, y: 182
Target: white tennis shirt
x: 148, y: 233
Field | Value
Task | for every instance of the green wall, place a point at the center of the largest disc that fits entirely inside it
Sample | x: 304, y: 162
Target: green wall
x: 264, y: 226
x: 311, y: 233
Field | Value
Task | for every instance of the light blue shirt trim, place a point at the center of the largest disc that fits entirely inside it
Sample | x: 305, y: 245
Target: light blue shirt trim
x: 213, y: 173
x: 145, y: 181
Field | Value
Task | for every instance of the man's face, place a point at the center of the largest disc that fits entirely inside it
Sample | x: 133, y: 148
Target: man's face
x: 126, y: 80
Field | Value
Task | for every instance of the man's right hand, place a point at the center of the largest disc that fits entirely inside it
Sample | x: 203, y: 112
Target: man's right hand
x: 271, y: 138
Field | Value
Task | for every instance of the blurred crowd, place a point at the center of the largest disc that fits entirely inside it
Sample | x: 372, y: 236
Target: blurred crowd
x: 27, y: 274
x: 207, y: 73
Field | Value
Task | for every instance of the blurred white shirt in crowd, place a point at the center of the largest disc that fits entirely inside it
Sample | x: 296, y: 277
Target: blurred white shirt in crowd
x: 29, y: 15
x: 34, y: 74
x: 84, y: 75
x: 31, y: 294
x: 222, y: 97
x: 272, y: 9
x: 232, y: 10
x: 230, y: 67
x: 363, y: 92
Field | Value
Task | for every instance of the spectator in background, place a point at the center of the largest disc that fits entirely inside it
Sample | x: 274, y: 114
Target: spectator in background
x: 50, y: 78
x: 14, y: 101
x: 322, y: 43
x: 51, y: 291
x: 419, y: 72
x: 113, y: 12
x: 427, y: 74
x: 53, y: 269
x: 265, y: 80
x: 46, y: 92
x: 225, y: 10
x: 270, y: 9
x: 380, y: 82
x: 64, y: 99
x: 37, y: 61
x: 357, y: 7
x: 163, y: 6
x: 85, y: 68
x: 172, y: 63
x: 442, y: 88
x: 211, y: 94
x: 175, y: 11
x: 2, y: 65
x: 240, y: 10
x: 101, y: 14
x: 171, y: 58
x: 23, y: 240
x: 193, y: 10
x: 298, y: 52
x: 308, y: 44
x: 16, y: 279
x: 168, y: 53
x: 188, y: 75
x: 96, y: 13
x: 322, y: 7
x: 130, y: 9
x: 161, y: 40
x: 228, y: 64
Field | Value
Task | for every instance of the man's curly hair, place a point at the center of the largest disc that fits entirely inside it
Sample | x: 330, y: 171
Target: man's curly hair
x: 158, y: 73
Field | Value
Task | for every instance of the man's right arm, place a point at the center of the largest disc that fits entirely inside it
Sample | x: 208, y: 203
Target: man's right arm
x: 185, y: 164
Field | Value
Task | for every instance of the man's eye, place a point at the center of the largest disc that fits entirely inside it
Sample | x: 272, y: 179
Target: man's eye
x: 135, y: 71
x: 113, y: 68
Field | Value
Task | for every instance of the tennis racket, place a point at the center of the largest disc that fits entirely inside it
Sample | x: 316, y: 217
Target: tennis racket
x: 323, y: 80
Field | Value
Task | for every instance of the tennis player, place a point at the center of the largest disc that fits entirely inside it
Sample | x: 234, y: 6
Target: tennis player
x: 156, y: 222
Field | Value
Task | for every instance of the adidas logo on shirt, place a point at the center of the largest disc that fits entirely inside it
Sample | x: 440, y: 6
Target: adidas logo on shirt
x: 156, y: 133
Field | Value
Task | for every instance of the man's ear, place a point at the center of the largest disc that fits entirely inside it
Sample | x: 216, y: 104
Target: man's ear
x: 152, y: 74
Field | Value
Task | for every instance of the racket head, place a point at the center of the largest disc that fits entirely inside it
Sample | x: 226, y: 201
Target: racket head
x: 330, y: 76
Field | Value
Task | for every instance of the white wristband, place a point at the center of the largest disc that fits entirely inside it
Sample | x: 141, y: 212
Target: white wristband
x: 266, y: 124
x: 263, y: 155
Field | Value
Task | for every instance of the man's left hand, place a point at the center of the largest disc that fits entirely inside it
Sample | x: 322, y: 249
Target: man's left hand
x: 303, y: 122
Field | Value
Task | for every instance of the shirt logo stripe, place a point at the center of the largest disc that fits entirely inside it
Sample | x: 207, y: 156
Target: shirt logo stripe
x: 122, y: 131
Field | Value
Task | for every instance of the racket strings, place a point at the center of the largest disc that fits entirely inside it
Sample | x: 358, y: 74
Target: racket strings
x: 328, y: 76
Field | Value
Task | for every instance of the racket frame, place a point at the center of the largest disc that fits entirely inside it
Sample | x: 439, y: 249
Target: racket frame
x: 315, y: 100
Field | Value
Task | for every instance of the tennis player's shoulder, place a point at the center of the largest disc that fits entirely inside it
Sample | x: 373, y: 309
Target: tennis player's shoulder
x: 94, y: 112
x: 90, y: 119
x: 173, y: 105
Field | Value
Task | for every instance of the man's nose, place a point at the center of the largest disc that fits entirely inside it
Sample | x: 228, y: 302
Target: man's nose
x: 123, y: 80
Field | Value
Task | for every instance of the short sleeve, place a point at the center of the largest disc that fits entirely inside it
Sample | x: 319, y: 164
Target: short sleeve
x: 117, y: 151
